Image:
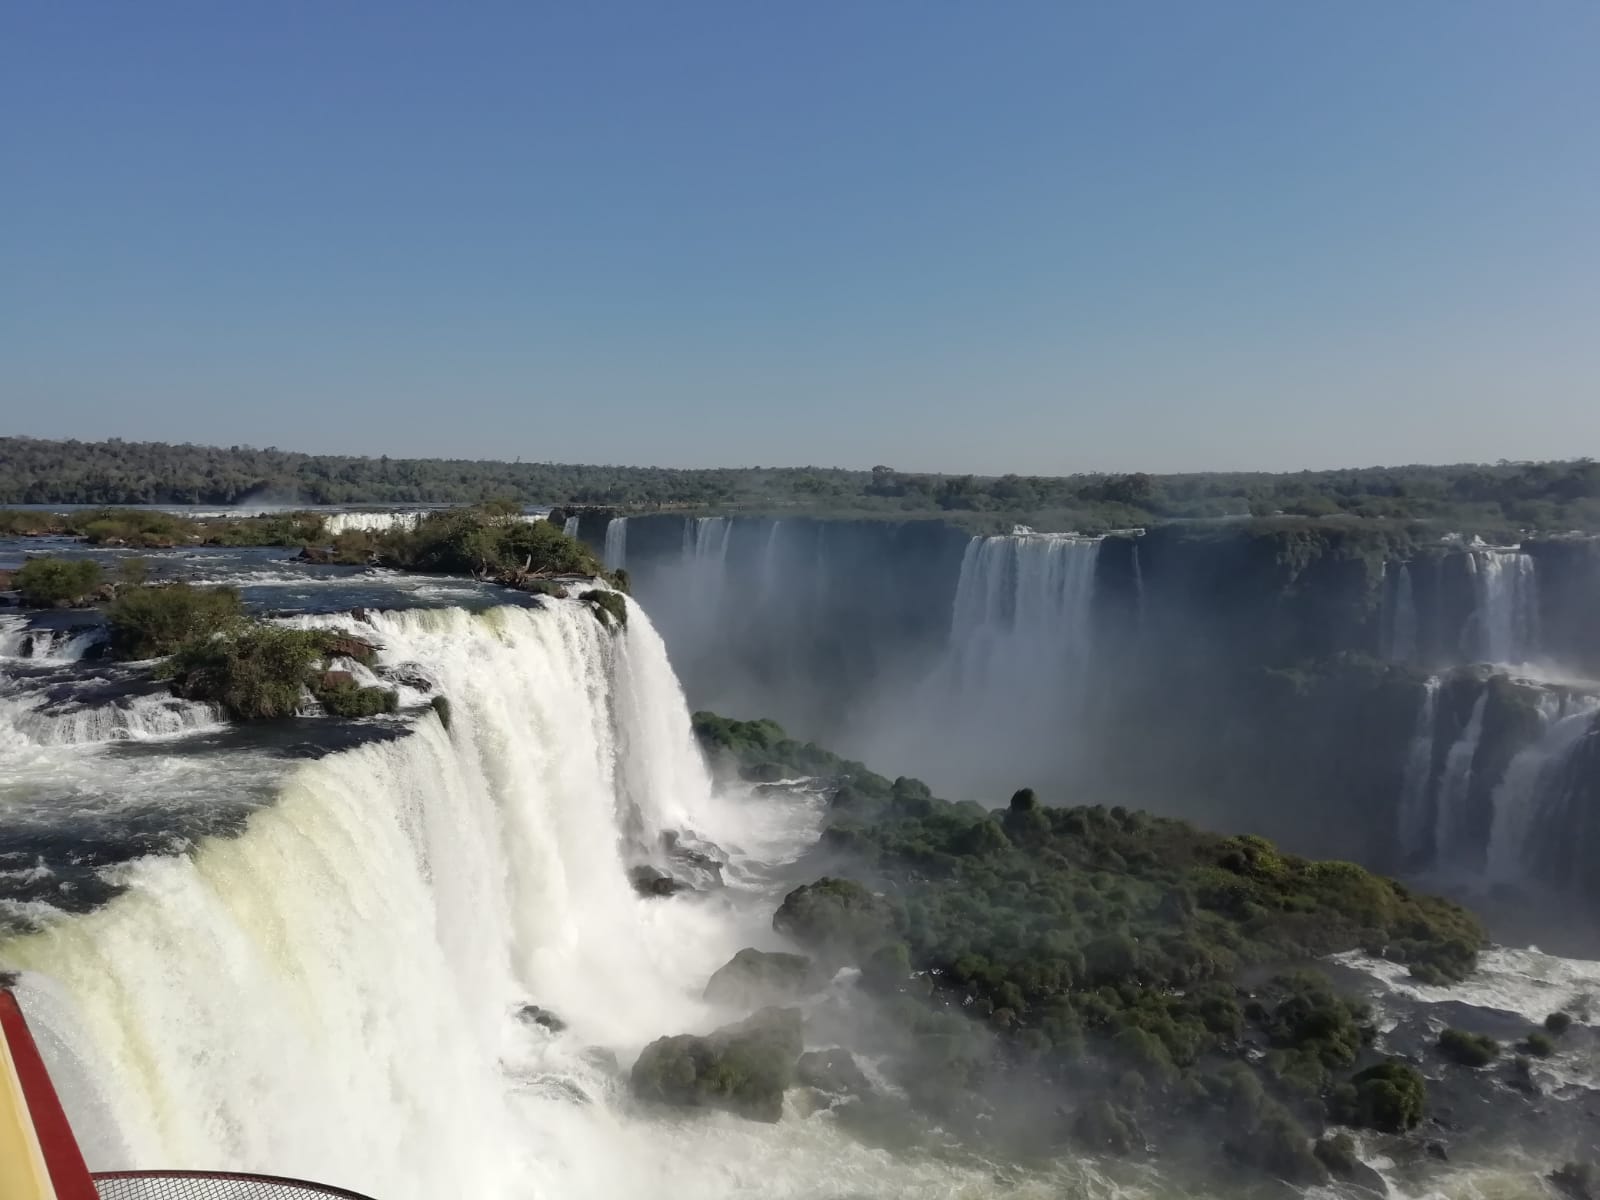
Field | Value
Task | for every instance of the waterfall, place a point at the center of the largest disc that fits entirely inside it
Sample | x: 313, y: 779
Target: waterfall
x: 1414, y: 826
x: 1138, y: 587
x: 1020, y: 639
x: 1456, y: 783
x: 705, y: 553
x: 1533, y: 788
x: 1504, y: 626
x: 370, y: 522
x: 570, y: 528
x: 1403, y: 622
x: 771, y: 565
x: 331, y: 994
x: 615, y: 553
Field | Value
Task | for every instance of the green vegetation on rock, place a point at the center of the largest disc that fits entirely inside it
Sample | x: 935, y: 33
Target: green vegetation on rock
x: 743, y: 1068
x: 1110, y: 953
x: 1468, y: 1049
x: 148, y: 622
x: 56, y: 582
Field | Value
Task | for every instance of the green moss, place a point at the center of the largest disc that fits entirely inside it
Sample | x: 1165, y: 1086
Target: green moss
x: 441, y: 706
x: 743, y: 1068
x: 610, y: 608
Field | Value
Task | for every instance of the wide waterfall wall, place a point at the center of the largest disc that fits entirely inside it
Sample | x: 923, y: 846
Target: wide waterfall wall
x: 1271, y: 676
x: 332, y: 993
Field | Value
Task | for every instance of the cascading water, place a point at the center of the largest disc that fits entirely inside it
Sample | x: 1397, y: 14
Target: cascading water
x: 570, y: 528
x: 1455, y: 784
x: 1016, y: 664
x: 1504, y: 627
x: 1533, y: 787
x: 1414, y: 826
x: 1403, y: 619
x: 615, y: 553
x: 333, y: 993
x: 370, y: 522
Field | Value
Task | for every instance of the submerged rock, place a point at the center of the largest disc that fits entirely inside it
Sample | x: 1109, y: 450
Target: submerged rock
x: 743, y: 1068
x: 833, y: 1071
x: 532, y: 1014
x: 752, y: 978
x: 653, y: 882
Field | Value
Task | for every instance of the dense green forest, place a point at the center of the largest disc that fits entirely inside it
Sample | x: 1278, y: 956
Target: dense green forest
x: 1548, y: 496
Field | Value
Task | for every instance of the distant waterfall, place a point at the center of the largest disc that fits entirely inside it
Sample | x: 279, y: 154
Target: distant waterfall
x: 1504, y: 627
x: 1403, y: 619
x: 1533, y: 788
x: 705, y: 552
x: 1020, y: 639
x: 1414, y: 826
x: 615, y: 553
x: 570, y: 528
x: 1455, y: 785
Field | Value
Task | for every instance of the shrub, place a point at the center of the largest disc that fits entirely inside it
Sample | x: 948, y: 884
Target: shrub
x: 56, y: 582
x: 149, y: 622
x: 345, y: 699
x: 1539, y: 1043
x: 1390, y: 1097
x: 1468, y: 1049
x: 257, y: 672
x: 1558, y: 1023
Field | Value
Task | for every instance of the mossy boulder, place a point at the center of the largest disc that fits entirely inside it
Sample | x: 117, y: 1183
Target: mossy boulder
x: 1337, y: 1153
x: 838, y: 918
x: 753, y: 978
x: 743, y: 1068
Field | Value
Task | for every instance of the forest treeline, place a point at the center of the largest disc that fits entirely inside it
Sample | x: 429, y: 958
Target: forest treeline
x: 1544, y: 495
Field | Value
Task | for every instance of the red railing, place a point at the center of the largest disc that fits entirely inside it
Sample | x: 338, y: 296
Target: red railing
x: 210, y: 1185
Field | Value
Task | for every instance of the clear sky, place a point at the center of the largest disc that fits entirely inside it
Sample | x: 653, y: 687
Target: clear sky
x: 1034, y: 237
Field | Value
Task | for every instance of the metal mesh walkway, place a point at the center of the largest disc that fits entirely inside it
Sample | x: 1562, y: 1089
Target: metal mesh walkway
x: 210, y: 1185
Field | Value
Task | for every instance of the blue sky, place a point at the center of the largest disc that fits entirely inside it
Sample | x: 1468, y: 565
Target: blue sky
x: 1033, y: 237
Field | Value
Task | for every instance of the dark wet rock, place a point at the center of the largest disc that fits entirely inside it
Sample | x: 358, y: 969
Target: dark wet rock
x: 333, y: 679
x: 411, y: 675
x: 532, y: 1014
x: 351, y: 647
x: 316, y: 554
x: 652, y: 882
x: 1577, y: 1180
x: 1337, y: 1153
x: 695, y: 859
x: 361, y: 615
x: 833, y: 1071
x: 743, y: 1068
x: 1436, y: 1151
x: 753, y: 978
x: 602, y: 1059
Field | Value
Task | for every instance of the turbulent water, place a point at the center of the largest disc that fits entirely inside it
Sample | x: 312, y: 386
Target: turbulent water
x: 333, y: 991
